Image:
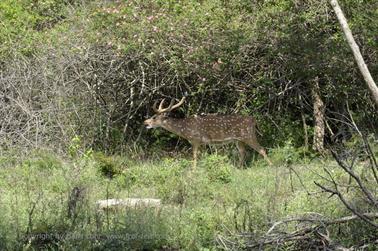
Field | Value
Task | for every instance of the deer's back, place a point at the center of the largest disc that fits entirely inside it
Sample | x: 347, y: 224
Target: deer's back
x: 219, y: 128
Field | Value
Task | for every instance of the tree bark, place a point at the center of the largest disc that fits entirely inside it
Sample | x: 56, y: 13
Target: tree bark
x: 356, y: 50
x: 319, y: 110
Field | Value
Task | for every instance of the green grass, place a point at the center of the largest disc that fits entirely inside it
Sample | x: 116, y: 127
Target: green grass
x: 198, y: 204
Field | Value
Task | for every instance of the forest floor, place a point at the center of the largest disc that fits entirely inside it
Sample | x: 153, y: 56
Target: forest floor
x: 50, y: 202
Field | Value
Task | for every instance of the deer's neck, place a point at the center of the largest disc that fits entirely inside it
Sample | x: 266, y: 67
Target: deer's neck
x: 175, y: 126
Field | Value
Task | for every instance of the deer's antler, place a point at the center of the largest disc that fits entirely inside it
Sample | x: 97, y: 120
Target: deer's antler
x: 169, y: 108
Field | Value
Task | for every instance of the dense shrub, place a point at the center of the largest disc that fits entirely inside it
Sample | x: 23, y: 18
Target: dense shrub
x: 102, y: 64
x: 108, y: 166
x: 218, y: 168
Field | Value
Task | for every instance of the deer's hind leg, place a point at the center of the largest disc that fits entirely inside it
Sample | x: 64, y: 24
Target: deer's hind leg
x: 256, y: 146
x: 241, y: 147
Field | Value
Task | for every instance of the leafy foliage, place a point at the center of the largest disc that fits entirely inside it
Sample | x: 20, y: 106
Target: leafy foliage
x: 218, y: 168
x: 252, y: 58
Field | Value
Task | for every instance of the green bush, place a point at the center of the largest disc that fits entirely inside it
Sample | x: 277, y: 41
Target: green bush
x: 23, y: 23
x: 135, y: 229
x: 44, y: 160
x: 219, y: 168
x: 288, y: 154
x: 197, y: 229
x: 109, y: 166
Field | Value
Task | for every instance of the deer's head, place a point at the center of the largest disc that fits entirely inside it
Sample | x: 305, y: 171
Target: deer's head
x: 160, y: 116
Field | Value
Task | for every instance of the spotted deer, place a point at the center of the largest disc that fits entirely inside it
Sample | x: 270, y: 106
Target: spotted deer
x: 208, y: 129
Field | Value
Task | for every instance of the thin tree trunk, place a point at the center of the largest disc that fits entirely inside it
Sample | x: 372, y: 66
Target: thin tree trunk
x: 304, y: 130
x: 356, y: 50
x: 319, y: 109
x: 304, y: 124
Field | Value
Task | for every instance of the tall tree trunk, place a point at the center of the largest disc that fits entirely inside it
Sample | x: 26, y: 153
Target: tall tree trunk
x: 319, y: 109
x: 356, y: 50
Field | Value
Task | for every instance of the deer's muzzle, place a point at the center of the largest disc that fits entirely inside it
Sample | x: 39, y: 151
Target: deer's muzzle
x: 147, y: 123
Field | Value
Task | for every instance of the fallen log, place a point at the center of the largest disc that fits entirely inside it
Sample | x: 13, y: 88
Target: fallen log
x: 127, y: 203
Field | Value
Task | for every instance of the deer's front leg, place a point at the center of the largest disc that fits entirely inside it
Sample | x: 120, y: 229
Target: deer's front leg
x: 195, y: 153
